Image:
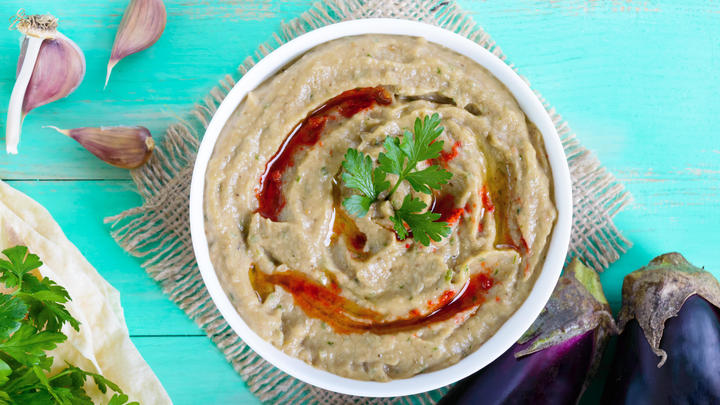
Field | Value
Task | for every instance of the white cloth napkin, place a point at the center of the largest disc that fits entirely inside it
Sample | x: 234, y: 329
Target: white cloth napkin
x: 103, y: 344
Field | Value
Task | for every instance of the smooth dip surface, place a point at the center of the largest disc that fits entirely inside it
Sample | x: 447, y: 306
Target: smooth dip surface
x: 341, y: 292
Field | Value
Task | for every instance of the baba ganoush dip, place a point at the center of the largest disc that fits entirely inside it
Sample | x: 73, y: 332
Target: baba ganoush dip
x: 343, y: 293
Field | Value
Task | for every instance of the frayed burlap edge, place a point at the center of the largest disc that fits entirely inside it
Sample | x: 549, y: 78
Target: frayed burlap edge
x: 158, y: 231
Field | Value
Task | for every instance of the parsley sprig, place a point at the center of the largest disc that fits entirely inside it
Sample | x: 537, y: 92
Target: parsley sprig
x: 31, y: 319
x: 401, y: 158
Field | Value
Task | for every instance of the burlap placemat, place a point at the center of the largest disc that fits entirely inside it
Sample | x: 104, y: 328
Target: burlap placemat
x: 159, y: 232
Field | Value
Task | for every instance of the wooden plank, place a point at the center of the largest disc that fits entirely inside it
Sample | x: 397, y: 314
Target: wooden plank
x: 79, y: 208
x: 634, y: 80
x: 193, y: 371
x: 203, y: 41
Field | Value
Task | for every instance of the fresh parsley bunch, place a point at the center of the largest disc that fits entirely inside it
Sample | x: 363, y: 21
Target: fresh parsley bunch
x: 31, y: 319
x: 401, y: 158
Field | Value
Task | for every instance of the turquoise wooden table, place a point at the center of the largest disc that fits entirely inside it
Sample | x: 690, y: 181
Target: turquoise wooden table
x: 637, y: 80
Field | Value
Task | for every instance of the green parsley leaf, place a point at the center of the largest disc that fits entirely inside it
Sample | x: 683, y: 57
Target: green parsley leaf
x: 33, y: 396
x: 28, y: 346
x: 21, y: 376
x: 69, y: 384
x: 5, y: 371
x: 401, y: 157
x: 420, y: 145
x: 432, y: 177
x: 45, y: 300
x: 31, y: 319
x: 393, y: 160
x: 12, y: 311
x: 19, y: 264
x: 358, y: 205
x: 79, y: 375
x: 379, y: 182
x: 45, y: 383
x: 359, y: 174
x: 409, y: 206
x: 120, y: 399
x: 102, y: 382
x: 416, y: 148
x: 422, y: 225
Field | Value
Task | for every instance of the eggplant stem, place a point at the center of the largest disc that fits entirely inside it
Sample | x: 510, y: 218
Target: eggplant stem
x: 15, y: 113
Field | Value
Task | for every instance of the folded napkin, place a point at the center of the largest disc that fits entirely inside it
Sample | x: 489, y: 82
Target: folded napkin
x: 103, y: 344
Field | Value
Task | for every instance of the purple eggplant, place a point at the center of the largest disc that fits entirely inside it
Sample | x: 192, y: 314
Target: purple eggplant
x: 553, y: 361
x: 669, y: 349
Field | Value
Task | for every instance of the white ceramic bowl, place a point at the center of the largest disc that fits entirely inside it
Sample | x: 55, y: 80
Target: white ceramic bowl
x: 510, y: 331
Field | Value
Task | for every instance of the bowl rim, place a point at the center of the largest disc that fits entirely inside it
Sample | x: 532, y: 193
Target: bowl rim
x: 510, y: 331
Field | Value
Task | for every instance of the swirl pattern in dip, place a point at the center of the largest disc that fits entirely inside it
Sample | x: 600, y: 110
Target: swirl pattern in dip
x: 340, y: 292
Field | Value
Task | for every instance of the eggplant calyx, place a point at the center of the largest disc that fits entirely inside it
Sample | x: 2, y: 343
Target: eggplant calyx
x: 655, y: 293
x: 577, y: 305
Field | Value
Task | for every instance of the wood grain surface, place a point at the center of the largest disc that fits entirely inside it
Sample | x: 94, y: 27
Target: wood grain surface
x: 637, y: 80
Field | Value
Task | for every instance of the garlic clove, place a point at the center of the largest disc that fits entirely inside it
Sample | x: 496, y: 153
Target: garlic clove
x: 50, y: 67
x: 141, y: 26
x: 59, y: 58
x: 124, y: 147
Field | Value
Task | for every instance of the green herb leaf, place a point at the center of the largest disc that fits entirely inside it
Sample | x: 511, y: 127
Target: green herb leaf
x: 12, y: 311
x: 20, y: 378
x: 380, y: 183
x: 432, y: 177
x: 5, y: 371
x: 401, y: 158
x: 102, y: 382
x: 19, y: 264
x: 33, y: 397
x: 357, y: 205
x: 416, y: 148
x: 420, y: 145
x: 45, y: 300
x: 393, y: 159
x: 45, y: 383
x: 28, y: 346
x: 69, y: 385
x: 359, y: 174
x: 409, y: 206
x: 422, y: 225
x: 120, y: 399
x: 31, y: 318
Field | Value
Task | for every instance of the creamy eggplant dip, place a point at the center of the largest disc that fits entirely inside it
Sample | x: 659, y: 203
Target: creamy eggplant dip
x: 342, y: 292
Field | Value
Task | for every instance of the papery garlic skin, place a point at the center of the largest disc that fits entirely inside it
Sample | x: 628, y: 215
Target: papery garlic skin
x: 141, y: 26
x: 50, y: 67
x: 15, y: 117
x: 121, y: 146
